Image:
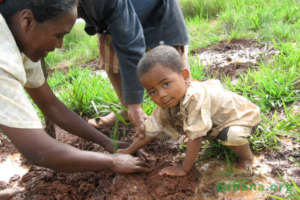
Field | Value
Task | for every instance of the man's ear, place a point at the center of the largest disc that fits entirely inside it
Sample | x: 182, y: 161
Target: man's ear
x: 26, y: 20
x: 186, y: 74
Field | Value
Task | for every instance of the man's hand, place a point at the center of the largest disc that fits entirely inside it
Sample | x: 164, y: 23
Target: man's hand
x: 173, y: 171
x: 137, y: 117
x: 123, y: 163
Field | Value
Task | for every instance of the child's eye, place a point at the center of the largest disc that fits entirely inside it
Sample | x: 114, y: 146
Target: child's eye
x: 151, y: 92
x: 166, y: 84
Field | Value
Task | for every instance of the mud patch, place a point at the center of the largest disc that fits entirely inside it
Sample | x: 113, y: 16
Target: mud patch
x: 231, y: 58
x: 42, y: 183
x: 209, y: 180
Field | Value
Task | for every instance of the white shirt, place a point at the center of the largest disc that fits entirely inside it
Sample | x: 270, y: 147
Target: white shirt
x: 16, y: 72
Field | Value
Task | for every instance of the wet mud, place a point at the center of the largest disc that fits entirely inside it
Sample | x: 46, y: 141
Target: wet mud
x: 233, y: 58
x: 208, y: 180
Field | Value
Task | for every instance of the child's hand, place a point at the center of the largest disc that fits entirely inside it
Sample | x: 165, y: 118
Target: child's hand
x: 173, y: 171
x: 140, y: 132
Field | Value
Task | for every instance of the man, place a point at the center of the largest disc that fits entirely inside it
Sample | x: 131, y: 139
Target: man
x: 127, y: 28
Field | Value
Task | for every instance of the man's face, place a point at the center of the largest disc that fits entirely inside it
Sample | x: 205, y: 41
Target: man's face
x: 36, y: 42
x: 165, y: 86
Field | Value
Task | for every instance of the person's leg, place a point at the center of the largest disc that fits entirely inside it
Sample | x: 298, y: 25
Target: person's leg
x: 236, y: 138
x: 109, y: 62
x: 245, y: 155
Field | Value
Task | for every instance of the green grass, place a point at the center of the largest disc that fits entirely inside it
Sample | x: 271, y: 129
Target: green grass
x: 78, y: 48
x: 84, y: 92
x: 268, y: 87
x: 210, y: 21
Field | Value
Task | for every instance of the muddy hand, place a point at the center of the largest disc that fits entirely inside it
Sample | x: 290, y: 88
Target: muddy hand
x: 9, y: 193
x: 173, y: 171
x: 141, y: 153
x: 124, y: 163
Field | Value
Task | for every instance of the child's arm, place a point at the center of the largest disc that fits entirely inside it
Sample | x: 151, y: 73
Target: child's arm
x: 193, y: 147
x: 138, y: 143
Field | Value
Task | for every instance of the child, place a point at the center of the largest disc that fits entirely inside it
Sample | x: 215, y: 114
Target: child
x: 199, y: 110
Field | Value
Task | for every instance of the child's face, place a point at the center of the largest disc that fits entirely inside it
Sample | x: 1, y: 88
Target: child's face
x: 165, y: 87
x: 36, y: 40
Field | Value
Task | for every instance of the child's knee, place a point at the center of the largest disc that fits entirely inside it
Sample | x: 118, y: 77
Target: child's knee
x: 237, y: 136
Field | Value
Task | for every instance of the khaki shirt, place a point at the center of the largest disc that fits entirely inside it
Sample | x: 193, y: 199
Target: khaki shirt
x: 16, y: 72
x: 205, y: 106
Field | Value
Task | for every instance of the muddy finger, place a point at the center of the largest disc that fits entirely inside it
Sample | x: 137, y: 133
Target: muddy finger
x: 142, y: 154
x: 143, y: 169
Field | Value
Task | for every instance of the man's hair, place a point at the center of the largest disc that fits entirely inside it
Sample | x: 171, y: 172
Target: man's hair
x: 164, y: 55
x: 42, y: 9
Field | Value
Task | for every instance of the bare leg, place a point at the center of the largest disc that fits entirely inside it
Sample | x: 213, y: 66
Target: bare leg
x: 109, y: 119
x: 245, y: 155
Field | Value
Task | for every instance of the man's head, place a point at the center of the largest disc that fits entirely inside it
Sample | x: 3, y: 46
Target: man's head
x: 39, y: 26
x: 162, y: 73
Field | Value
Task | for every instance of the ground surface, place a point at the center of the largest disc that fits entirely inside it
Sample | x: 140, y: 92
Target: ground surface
x: 209, y: 179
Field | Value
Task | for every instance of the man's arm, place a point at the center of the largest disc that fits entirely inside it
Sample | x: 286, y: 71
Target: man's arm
x: 129, y: 44
x: 42, y: 150
x: 65, y: 118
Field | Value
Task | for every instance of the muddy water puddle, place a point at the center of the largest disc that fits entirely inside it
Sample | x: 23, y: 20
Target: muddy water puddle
x: 231, y: 58
x: 12, y: 168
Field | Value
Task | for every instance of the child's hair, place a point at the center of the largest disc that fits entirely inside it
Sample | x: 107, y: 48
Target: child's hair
x: 42, y: 9
x: 164, y: 55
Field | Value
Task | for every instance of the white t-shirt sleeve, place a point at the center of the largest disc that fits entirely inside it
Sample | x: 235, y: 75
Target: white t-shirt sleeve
x: 16, y: 109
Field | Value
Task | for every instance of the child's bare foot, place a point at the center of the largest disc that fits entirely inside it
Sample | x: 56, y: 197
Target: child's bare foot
x: 106, y: 121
